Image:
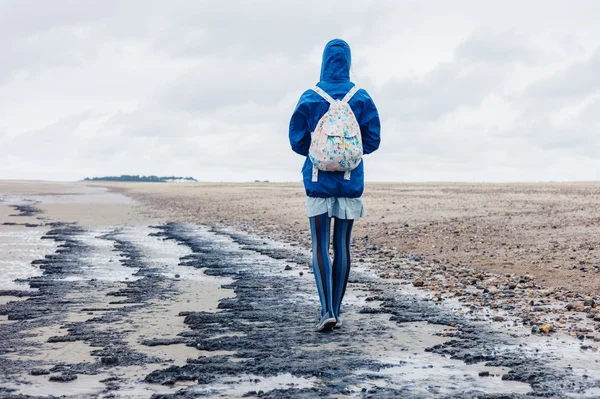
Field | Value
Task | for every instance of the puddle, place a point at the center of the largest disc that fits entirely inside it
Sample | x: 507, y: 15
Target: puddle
x: 6, y: 299
x: 19, y: 246
x: 41, y: 386
x: 238, y: 386
x: 101, y: 262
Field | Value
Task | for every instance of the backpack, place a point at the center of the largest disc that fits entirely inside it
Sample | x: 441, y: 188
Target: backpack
x: 336, y: 143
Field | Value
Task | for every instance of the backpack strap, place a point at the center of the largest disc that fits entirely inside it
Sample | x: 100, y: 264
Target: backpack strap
x: 350, y: 94
x: 323, y: 94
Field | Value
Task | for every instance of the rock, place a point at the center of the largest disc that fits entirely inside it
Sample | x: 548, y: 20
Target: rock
x: 63, y: 378
x: 418, y: 283
x: 498, y: 318
x: 301, y: 273
x: 547, y: 328
x: 109, y: 360
x: 287, y: 267
x: 589, y: 302
x: 494, y: 290
x: 535, y: 330
x: 177, y: 276
x: 484, y: 373
x: 39, y: 372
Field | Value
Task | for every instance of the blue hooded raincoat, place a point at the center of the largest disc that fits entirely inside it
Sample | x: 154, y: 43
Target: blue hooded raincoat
x: 335, y: 80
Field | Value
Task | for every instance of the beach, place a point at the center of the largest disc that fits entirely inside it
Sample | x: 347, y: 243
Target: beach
x: 550, y: 231
x: 177, y: 290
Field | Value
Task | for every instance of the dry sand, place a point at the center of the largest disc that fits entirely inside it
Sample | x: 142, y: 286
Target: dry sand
x: 550, y: 231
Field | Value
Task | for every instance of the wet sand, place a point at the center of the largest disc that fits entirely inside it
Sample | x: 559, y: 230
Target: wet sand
x: 164, y: 291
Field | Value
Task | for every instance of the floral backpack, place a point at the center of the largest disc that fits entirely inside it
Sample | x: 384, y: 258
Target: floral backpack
x: 336, y: 143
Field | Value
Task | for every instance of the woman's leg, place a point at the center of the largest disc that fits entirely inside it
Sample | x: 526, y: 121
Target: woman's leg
x: 320, y: 229
x: 342, y: 231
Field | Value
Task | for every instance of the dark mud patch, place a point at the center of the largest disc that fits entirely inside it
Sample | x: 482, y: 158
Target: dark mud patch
x: 22, y: 224
x: 26, y: 210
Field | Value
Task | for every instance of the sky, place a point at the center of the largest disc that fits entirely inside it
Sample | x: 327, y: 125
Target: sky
x: 467, y: 90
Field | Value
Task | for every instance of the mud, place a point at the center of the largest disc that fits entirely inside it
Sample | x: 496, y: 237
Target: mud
x: 26, y: 210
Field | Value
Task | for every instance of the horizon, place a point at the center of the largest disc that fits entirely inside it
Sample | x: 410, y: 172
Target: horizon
x: 300, y: 182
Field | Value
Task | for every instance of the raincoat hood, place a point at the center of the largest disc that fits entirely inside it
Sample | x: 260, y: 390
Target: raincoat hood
x: 336, y: 62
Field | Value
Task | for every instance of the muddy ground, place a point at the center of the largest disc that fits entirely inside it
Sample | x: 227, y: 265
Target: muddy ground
x: 105, y: 297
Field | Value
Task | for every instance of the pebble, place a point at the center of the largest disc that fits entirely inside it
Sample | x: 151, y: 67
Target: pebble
x: 418, y: 283
x: 547, y: 328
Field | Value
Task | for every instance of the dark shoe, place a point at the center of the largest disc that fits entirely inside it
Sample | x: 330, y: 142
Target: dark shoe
x: 326, y: 323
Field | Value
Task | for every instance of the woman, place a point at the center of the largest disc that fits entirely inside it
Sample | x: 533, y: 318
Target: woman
x: 332, y: 194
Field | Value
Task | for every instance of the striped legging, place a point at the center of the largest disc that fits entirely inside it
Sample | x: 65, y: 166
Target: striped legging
x: 331, y: 281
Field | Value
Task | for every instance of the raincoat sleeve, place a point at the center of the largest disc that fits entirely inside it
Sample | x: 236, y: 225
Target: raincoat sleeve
x: 299, y: 130
x: 370, y: 127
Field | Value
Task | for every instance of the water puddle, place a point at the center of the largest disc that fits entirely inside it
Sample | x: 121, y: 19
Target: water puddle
x: 41, y: 386
x: 240, y: 385
x: 19, y: 246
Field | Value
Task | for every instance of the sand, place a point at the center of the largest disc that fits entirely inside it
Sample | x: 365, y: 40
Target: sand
x: 550, y: 231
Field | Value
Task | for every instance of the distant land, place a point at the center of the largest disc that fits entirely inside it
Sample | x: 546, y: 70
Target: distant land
x: 143, y: 179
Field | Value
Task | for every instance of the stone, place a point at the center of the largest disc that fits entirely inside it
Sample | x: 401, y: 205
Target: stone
x: 547, y: 328
x: 109, y: 360
x: 63, y: 378
x: 418, y: 283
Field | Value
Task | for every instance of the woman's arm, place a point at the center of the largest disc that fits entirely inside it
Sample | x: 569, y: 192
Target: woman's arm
x: 370, y: 128
x: 299, y: 131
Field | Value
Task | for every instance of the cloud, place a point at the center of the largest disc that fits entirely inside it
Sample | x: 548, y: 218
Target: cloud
x: 575, y: 81
x: 466, y: 91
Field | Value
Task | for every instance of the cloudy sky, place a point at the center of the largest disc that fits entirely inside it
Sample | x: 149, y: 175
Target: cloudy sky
x: 467, y: 90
